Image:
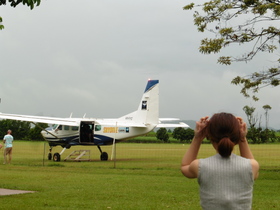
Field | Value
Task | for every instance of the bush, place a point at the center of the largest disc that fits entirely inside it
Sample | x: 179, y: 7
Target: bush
x: 162, y: 135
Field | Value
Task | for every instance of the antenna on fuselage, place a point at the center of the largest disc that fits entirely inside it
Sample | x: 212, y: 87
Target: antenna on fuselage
x: 84, y: 115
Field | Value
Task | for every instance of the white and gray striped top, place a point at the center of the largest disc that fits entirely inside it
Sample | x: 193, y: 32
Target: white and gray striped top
x: 225, y: 183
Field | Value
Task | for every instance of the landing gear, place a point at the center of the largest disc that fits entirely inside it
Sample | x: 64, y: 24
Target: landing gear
x: 56, y: 157
x: 104, y: 155
x: 50, y: 156
x: 50, y: 153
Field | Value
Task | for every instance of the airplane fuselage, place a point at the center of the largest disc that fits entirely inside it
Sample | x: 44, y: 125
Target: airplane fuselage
x: 91, y: 133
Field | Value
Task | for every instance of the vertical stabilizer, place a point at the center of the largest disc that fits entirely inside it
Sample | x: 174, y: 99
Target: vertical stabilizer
x: 148, y: 110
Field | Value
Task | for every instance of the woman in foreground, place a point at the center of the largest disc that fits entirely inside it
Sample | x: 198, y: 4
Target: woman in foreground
x: 226, y: 180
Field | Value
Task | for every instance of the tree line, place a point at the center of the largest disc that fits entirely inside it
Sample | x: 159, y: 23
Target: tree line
x: 256, y: 132
x: 22, y: 130
x: 27, y: 131
x: 255, y: 135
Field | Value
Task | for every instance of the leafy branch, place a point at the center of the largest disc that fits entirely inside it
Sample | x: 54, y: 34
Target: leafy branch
x: 244, y: 23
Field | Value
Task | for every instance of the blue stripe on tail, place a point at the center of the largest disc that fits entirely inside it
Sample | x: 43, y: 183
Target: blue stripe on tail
x: 150, y: 84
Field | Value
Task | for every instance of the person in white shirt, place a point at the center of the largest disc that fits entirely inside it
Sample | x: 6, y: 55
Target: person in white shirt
x: 8, y: 141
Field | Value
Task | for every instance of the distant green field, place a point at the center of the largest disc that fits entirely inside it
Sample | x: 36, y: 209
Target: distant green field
x: 144, y: 176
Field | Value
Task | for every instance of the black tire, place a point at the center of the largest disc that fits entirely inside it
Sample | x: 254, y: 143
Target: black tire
x: 56, y: 157
x: 104, y: 156
x: 50, y: 156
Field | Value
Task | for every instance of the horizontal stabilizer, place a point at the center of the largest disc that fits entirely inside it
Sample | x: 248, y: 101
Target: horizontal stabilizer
x: 170, y: 125
x: 168, y: 119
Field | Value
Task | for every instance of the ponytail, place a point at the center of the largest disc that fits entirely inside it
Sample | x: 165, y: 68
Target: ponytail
x: 225, y: 147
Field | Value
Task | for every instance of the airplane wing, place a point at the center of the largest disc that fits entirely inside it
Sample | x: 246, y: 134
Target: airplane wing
x: 39, y: 119
x: 76, y: 121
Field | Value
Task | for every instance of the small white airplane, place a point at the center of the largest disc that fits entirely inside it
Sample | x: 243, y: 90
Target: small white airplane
x: 68, y: 132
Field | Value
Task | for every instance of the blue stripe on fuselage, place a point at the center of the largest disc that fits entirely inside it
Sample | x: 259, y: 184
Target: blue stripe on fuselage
x: 74, y: 140
x: 102, y: 140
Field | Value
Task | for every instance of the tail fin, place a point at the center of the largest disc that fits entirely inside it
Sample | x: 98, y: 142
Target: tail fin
x: 148, y: 110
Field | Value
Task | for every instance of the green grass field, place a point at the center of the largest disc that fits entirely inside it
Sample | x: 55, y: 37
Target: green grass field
x: 144, y: 176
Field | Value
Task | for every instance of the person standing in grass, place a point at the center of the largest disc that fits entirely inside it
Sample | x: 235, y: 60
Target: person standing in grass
x: 8, y: 141
x: 226, y: 180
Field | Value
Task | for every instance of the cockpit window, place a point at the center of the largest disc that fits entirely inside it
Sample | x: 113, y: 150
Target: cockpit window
x: 54, y: 126
x: 97, y: 128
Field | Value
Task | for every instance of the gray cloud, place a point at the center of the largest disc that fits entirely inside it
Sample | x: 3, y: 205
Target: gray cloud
x: 95, y: 57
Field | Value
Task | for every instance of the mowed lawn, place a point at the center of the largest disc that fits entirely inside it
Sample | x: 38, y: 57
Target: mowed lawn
x: 144, y: 176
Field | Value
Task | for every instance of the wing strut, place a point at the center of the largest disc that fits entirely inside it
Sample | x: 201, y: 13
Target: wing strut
x: 36, y: 124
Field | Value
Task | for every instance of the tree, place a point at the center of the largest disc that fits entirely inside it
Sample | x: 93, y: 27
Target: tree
x: 35, y: 132
x: 14, y: 3
x: 1, y: 26
x: 20, y: 129
x: 183, y: 134
x: 259, y: 135
x: 162, y: 135
x: 244, y: 23
x: 266, y: 108
x: 252, y: 119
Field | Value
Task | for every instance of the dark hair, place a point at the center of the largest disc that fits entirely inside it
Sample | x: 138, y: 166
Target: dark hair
x: 223, y: 129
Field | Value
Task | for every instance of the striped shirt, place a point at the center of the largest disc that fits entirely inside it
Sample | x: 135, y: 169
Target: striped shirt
x: 225, y: 183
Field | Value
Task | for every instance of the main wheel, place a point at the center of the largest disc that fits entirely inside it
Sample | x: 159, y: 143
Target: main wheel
x: 104, y: 156
x: 56, y: 157
x: 50, y: 156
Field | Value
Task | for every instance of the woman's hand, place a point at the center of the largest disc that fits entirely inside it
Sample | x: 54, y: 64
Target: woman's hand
x: 243, y: 128
x: 200, y: 125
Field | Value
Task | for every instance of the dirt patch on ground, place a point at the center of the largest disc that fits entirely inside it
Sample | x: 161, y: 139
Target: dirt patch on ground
x: 13, y: 192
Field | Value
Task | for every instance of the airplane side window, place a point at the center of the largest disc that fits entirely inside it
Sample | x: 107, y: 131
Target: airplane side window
x: 66, y: 127
x: 59, y: 127
x: 75, y: 128
x: 97, y: 128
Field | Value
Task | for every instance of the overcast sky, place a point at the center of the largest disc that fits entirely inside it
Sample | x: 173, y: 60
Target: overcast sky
x: 95, y: 57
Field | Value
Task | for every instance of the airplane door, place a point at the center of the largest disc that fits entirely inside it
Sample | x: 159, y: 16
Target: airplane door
x: 86, y: 132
